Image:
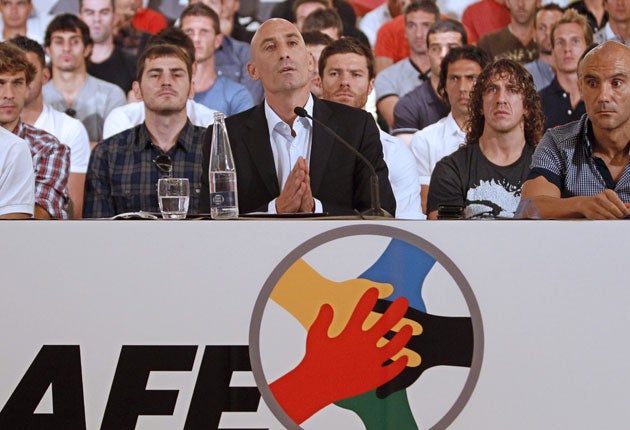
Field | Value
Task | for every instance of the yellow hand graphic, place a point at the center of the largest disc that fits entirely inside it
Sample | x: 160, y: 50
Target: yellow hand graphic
x: 302, y: 291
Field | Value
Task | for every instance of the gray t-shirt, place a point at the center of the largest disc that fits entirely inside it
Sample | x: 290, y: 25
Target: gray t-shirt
x: 91, y: 106
x: 397, y: 80
x: 467, y: 178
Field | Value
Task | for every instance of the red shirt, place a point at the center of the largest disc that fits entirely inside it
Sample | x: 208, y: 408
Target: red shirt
x: 391, y: 41
x: 149, y: 20
x: 483, y: 17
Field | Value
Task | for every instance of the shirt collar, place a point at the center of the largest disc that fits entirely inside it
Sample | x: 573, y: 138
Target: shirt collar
x: 273, y: 119
x: 185, y: 139
x: 451, y: 126
x: 587, y: 134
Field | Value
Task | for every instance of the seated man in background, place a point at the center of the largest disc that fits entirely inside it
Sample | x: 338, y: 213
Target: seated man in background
x: 133, y: 114
x: 485, y: 176
x: 582, y: 169
x: 201, y: 24
x: 50, y: 159
x: 422, y: 106
x: 287, y: 164
x: 405, y: 75
x: 72, y: 90
x: 459, y: 71
x: 347, y: 71
x: 125, y: 168
x: 315, y: 43
x: 561, y: 100
x: 67, y: 130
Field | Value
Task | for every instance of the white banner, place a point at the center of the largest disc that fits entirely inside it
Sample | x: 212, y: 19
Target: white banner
x: 173, y: 325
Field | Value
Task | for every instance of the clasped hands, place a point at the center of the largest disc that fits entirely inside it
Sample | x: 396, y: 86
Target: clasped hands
x: 296, y: 196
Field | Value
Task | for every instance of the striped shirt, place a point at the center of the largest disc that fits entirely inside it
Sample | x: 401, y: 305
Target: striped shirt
x: 565, y: 158
x: 51, y: 162
x: 122, y: 176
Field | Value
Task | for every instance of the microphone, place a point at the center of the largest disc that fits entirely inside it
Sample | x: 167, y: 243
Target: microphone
x: 375, y: 194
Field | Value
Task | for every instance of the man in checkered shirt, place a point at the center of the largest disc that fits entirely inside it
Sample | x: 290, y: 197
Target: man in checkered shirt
x: 51, y: 159
x: 582, y: 169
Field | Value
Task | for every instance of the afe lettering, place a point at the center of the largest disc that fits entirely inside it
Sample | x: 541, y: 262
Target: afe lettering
x: 60, y: 365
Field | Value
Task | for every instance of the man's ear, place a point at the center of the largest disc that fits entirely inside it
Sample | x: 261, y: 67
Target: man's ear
x: 251, y: 69
x: 135, y: 87
x: 88, y: 51
x: 370, y: 86
x: 217, y: 41
x: 191, y: 93
x: 45, y: 75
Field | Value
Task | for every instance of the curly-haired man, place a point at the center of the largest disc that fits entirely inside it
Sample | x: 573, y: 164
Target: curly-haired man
x: 485, y: 176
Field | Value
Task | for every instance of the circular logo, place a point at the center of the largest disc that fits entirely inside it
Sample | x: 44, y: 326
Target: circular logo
x: 366, y: 327
x: 218, y: 199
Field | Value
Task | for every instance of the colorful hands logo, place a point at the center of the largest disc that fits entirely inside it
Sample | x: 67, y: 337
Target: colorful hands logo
x: 350, y: 353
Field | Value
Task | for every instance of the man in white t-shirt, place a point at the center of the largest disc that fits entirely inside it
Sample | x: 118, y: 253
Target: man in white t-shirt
x: 458, y: 73
x: 17, y: 180
x: 68, y: 130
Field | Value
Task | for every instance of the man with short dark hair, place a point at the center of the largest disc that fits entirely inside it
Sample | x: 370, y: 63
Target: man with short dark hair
x: 315, y: 43
x: 515, y: 41
x: 123, y: 172
x: 201, y: 24
x: 405, y: 75
x: 69, y: 131
x: 618, y: 26
x: 422, y: 106
x: 106, y: 61
x: 50, y: 158
x: 582, y: 169
x: 346, y: 69
x: 19, y: 18
x: 72, y: 90
x: 485, y: 176
x: 542, y: 68
x: 458, y: 73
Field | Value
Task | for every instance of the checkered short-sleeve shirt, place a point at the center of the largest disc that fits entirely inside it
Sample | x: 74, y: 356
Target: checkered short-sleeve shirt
x: 565, y: 158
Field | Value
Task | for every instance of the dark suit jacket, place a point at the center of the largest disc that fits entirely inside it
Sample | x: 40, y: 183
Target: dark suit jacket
x: 338, y: 178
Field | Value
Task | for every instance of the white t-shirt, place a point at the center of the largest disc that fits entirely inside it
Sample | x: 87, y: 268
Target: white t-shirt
x: 402, y: 177
x: 17, y: 178
x: 434, y: 142
x: 69, y: 131
x: 132, y: 114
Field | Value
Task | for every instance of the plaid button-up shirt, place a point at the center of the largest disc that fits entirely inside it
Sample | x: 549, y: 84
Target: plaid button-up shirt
x: 51, y: 163
x: 122, y: 177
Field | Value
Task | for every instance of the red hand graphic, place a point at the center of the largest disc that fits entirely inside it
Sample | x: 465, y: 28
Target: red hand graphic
x: 344, y: 366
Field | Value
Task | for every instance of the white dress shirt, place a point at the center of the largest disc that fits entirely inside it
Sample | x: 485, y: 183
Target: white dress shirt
x: 433, y: 142
x: 288, y: 144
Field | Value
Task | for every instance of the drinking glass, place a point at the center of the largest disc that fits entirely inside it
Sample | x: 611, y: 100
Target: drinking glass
x: 173, y: 197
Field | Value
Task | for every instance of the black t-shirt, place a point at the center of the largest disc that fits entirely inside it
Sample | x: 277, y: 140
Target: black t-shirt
x: 119, y: 69
x: 467, y: 178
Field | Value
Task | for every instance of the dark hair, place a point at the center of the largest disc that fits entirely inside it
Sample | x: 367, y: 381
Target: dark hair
x: 173, y: 36
x: 466, y: 52
x: 551, y: 7
x: 164, y: 50
x: 446, y: 26
x: 427, y: 6
x: 68, y: 22
x: 316, y: 38
x: 531, y: 101
x: 571, y: 16
x: 13, y: 60
x: 322, y: 19
x: 29, y: 45
x: 347, y: 45
x: 298, y: 3
x: 200, y: 9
